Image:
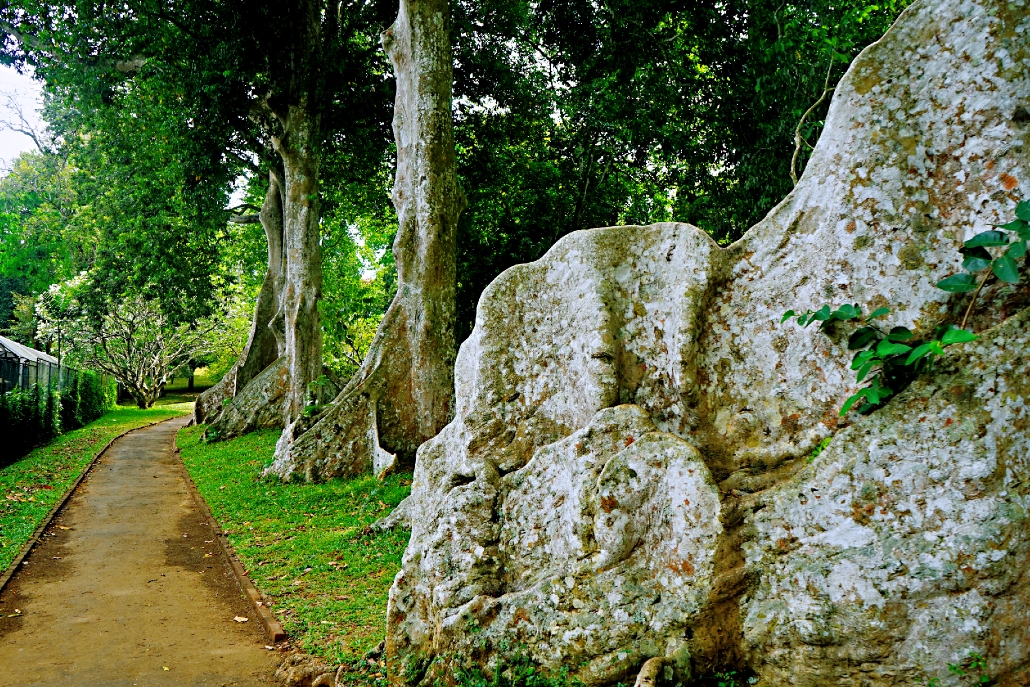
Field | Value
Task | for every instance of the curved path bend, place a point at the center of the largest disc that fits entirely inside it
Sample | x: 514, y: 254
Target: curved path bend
x: 128, y: 588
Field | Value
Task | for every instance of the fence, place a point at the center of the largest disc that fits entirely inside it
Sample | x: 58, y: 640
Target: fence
x: 22, y: 368
x: 19, y: 373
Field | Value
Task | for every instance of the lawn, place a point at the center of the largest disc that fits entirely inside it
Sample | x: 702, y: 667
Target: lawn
x: 302, y: 543
x: 30, y: 487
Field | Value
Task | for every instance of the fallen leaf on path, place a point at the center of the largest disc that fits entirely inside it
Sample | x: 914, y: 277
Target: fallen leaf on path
x: 241, y: 619
x: 165, y: 668
x: 62, y: 527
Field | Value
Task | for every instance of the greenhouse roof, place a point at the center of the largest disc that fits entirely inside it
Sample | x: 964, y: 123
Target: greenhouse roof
x: 13, y: 349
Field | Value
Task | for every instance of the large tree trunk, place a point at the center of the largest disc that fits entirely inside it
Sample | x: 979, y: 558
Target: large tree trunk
x: 402, y: 395
x: 303, y: 284
x: 266, y: 341
x: 302, y: 288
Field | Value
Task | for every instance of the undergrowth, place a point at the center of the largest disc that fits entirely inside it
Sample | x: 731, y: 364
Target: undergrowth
x: 302, y: 543
x: 30, y: 487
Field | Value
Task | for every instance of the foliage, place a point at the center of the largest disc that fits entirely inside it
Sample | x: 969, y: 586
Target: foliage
x: 977, y: 256
x: 520, y: 671
x: 359, y: 275
x: 882, y: 356
x: 155, y: 204
x: 86, y: 399
x: 972, y: 671
x: 579, y: 114
x: 302, y: 543
x: 29, y: 418
x: 30, y: 487
x: 977, y: 667
x: 133, y: 340
x: 37, y: 416
x: 38, y: 245
x: 819, y: 448
x: 568, y: 115
x: 228, y: 339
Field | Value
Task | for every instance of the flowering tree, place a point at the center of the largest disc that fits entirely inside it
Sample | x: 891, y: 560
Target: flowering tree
x: 133, y: 341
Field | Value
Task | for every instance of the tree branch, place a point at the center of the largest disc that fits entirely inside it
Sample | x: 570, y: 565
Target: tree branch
x: 797, y: 131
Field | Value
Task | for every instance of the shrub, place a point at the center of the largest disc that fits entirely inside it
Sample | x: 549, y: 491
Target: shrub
x: 36, y: 417
x: 87, y: 398
x: 28, y: 419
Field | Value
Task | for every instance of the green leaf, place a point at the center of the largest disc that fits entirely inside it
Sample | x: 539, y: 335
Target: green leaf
x: 847, y: 312
x: 1016, y: 250
x: 976, y: 259
x: 879, y: 312
x: 887, y: 348
x: 987, y: 239
x: 900, y: 334
x: 1005, y: 268
x: 822, y: 314
x: 861, y: 359
x: 864, y: 370
x: 862, y: 338
x: 1023, y: 211
x: 882, y: 392
x: 919, y: 353
x: 1014, y: 225
x: 957, y: 336
x: 852, y: 401
x: 787, y: 315
x: 958, y: 283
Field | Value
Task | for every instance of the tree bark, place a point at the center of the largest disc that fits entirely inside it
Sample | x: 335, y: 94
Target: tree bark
x: 302, y: 287
x: 265, y: 342
x: 403, y: 393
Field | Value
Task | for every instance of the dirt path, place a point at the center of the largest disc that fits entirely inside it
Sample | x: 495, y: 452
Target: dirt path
x: 128, y: 588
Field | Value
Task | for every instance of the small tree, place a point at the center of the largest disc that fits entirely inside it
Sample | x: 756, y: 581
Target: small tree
x: 133, y: 341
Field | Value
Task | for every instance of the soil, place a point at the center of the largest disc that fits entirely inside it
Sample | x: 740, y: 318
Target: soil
x: 128, y: 587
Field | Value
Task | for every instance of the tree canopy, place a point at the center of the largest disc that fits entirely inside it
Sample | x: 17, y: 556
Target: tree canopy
x: 568, y: 114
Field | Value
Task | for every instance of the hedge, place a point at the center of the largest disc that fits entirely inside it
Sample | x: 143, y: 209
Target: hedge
x: 36, y: 417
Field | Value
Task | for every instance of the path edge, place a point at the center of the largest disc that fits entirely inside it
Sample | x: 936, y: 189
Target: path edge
x: 273, y: 628
x: 34, y: 539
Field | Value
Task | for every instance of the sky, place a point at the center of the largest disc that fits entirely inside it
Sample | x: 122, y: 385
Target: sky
x: 27, y: 93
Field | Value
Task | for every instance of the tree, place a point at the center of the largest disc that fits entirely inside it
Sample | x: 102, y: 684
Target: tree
x: 578, y: 114
x: 403, y: 393
x: 286, y: 79
x: 133, y: 341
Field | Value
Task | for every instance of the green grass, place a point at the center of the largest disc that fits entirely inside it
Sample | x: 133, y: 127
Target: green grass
x: 302, y: 543
x: 203, y: 378
x: 30, y: 487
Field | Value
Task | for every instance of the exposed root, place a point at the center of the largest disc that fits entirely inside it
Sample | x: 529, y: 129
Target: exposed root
x: 343, y: 442
x: 399, y: 518
x: 259, y: 405
x: 649, y: 672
